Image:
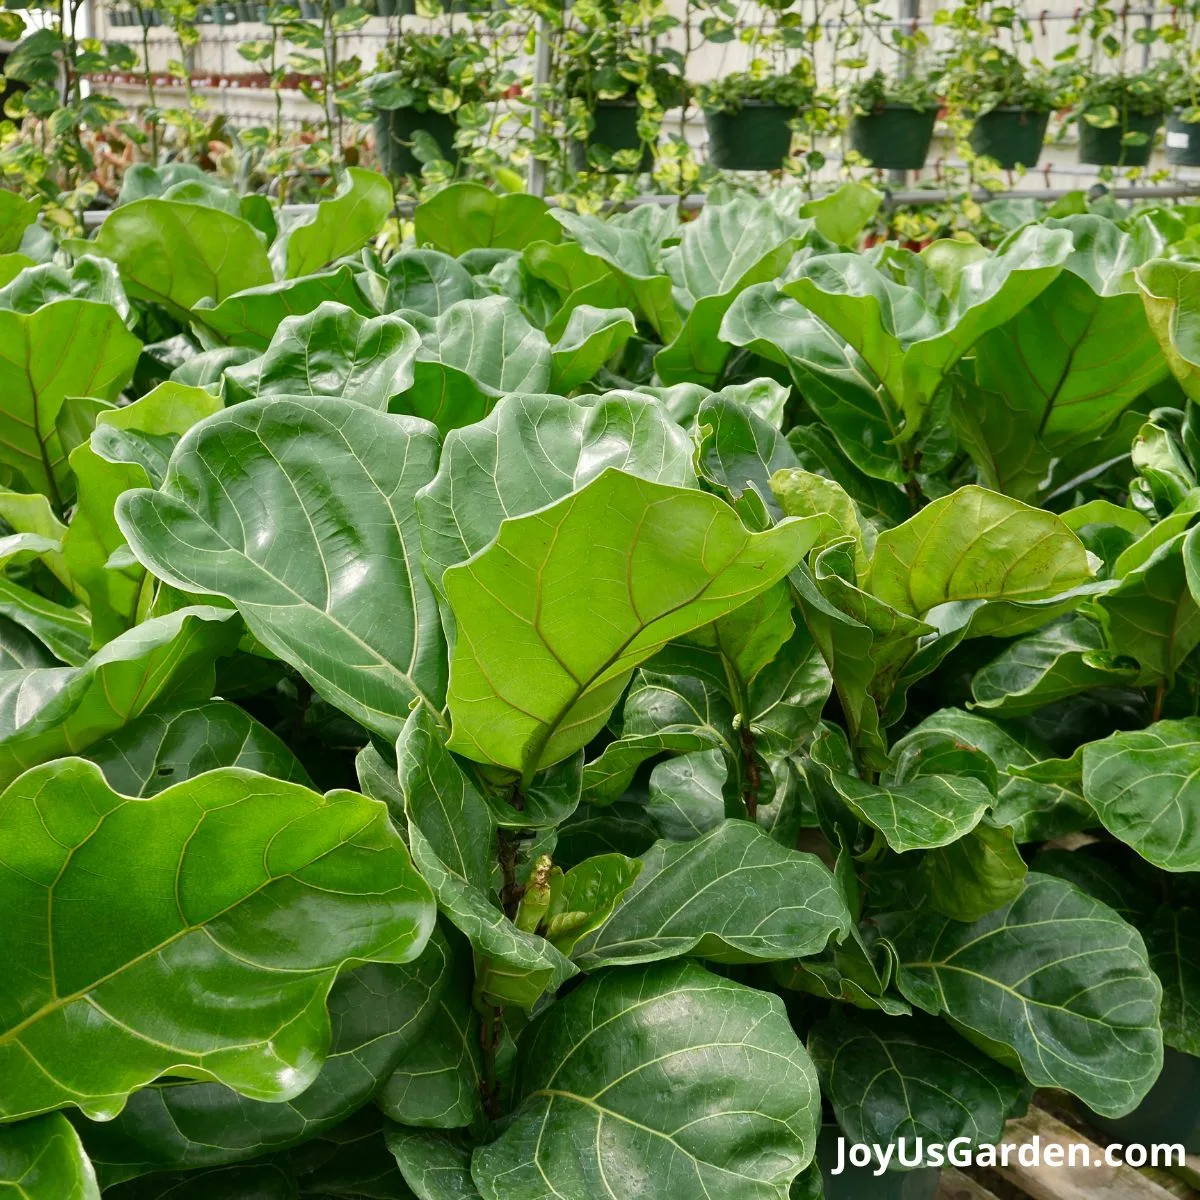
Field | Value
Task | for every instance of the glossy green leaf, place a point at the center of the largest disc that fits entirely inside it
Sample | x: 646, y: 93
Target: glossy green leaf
x: 1141, y: 783
x: 42, y: 1159
x: 333, y: 227
x: 88, y: 278
x: 1175, y: 957
x: 467, y: 215
x: 672, y: 561
x: 17, y: 213
x: 591, y: 337
x: 889, y: 1078
x: 1169, y: 289
x: 912, y: 336
x: 425, y: 281
x: 973, y: 545
x: 175, y: 742
x: 1053, y: 664
x: 250, y: 317
x: 378, y: 1014
x: 67, y: 348
x: 842, y: 215
x: 1055, y: 981
x: 980, y: 872
x: 731, y: 895
x: 49, y: 712
x: 331, y: 351
x: 177, y: 254
x: 738, y: 1123
x: 437, y: 1166
x: 302, y: 515
x: 453, y: 837
x: 106, y: 999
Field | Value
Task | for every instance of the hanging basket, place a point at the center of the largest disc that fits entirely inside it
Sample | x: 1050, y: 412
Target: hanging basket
x: 1013, y: 137
x: 1105, y: 147
x: 1182, y: 141
x: 757, y: 137
x: 614, y: 128
x: 394, y: 131
x: 895, y: 137
x: 1170, y: 1112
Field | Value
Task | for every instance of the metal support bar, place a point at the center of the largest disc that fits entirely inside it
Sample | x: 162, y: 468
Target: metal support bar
x: 541, y: 76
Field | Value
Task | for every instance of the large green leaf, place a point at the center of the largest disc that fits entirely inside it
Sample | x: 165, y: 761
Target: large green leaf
x: 1053, y: 664
x: 593, y: 1118
x: 835, y: 380
x: 1152, y: 616
x: 976, y: 545
x: 48, y: 712
x: 590, y: 338
x: 337, y: 226
x: 16, y: 215
x: 1142, y: 784
x: 175, y: 742
x: 912, y: 333
x: 177, y: 254
x: 634, y: 260
x: 670, y: 560
x: 1169, y: 291
x: 533, y: 450
x: 331, y: 351
x: 1063, y: 369
x: 378, y: 1013
x: 453, y: 836
x: 120, y: 906
x: 889, y: 1078
x: 42, y: 1159
x: 250, y: 317
x: 425, y: 281
x: 1055, y: 982
x: 465, y: 216
x: 302, y: 515
x: 68, y: 348
x: 729, y: 248
x: 732, y: 895
x: 1174, y: 948
x: 437, y: 1166
x: 88, y: 278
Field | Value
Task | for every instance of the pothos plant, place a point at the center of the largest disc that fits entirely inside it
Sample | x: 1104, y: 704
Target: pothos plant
x: 417, y: 702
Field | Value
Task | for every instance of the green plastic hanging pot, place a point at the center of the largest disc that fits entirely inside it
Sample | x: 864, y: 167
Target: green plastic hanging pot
x: 1105, y: 148
x: 895, y: 137
x: 1013, y: 137
x: 861, y: 1183
x: 1182, y: 141
x: 394, y: 130
x: 385, y: 8
x: 1169, y: 1114
x: 310, y: 11
x: 615, y: 129
x: 247, y: 12
x: 758, y: 137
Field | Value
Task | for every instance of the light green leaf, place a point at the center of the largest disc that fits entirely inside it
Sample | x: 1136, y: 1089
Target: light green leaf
x: 331, y: 351
x: 302, y: 515
x: 591, y: 337
x: 88, y: 278
x: 738, y: 1123
x: 731, y: 895
x: 68, y: 348
x: 1055, y: 981
x: 976, y: 545
x: 671, y: 561
x: 250, y: 317
x: 106, y: 1000
x: 1169, y: 291
x: 333, y: 227
x: 16, y: 215
x: 464, y: 216
x: 55, y: 711
x: 42, y: 1159
x: 845, y: 212
x: 425, y: 281
x: 177, y: 254
x: 533, y: 450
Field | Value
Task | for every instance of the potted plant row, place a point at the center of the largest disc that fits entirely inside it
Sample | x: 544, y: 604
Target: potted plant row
x: 893, y: 119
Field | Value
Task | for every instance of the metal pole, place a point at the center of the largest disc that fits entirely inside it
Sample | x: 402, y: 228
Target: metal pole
x: 909, y: 12
x: 541, y: 76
